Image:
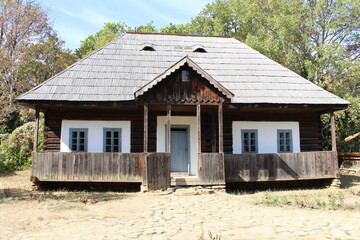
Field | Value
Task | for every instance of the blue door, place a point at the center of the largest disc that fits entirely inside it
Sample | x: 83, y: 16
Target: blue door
x: 179, y: 149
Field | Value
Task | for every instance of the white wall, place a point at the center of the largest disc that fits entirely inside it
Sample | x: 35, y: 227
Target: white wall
x: 95, y: 133
x: 179, y: 120
x: 267, y: 135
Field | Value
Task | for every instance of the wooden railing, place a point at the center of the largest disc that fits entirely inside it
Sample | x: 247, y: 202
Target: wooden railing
x: 281, y: 166
x: 151, y: 169
x: 211, y: 168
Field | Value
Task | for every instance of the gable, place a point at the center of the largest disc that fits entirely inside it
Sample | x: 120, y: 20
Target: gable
x: 173, y: 89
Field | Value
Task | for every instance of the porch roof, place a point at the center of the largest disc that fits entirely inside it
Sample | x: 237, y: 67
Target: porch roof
x: 121, y: 68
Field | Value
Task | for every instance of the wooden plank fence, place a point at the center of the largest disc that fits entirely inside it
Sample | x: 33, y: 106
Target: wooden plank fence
x: 156, y: 171
x: 211, y: 168
x: 280, y: 166
x: 89, y: 167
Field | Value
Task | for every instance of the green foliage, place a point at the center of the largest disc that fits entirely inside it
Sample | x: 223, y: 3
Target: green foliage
x: 109, y: 32
x: 16, y: 148
x: 11, y: 121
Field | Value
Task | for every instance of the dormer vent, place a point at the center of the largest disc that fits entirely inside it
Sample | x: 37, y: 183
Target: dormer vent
x: 199, y: 49
x: 147, y: 47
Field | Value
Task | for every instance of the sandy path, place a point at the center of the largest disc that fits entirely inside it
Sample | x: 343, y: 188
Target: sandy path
x: 172, y: 216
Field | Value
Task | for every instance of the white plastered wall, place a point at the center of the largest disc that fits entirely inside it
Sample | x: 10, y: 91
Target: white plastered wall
x: 95, y: 134
x: 267, y: 135
x: 179, y: 120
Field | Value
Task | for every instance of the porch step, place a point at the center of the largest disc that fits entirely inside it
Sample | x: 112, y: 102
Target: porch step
x: 184, y: 180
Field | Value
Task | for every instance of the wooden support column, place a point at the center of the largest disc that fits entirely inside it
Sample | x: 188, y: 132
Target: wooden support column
x: 213, y: 132
x: 146, y: 128
x: 333, y: 133
x: 36, y: 132
x: 221, y: 130
x: 198, y: 117
x: 168, y: 128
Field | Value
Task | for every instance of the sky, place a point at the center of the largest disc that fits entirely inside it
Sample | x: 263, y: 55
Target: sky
x: 74, y: 20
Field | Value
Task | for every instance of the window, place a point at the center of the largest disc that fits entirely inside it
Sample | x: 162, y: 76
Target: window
x: 78, y: 139
x: 284, y: 139
x: 249, y: 141
x: 112, y: 139
x: 185, y: 75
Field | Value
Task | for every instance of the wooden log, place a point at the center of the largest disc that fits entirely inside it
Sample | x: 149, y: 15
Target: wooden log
x: 168, y: 128
x: 221, y: 129
x: 333, y: 132
x: 146, y: 131
x: 198, y: 127
x: 36, y: 130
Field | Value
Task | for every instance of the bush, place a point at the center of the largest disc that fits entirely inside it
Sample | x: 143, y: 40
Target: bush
x: 16, y: 148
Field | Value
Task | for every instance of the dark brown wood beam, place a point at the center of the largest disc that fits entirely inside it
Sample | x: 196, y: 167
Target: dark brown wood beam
x: 333, y: 131
x: 168, y: 129
x: 146, y: 129
x: 198, y: 117
x: 221, y: 129
x: 36, y: 130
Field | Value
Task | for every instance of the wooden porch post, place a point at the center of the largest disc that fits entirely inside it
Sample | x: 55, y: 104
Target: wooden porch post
x: 333, y: 133
x: 146, y: 128
x: 213, y: 131
x: 221, y: 130
x: 198, y: 117
x: 168, y: 128
x: 36, y: 132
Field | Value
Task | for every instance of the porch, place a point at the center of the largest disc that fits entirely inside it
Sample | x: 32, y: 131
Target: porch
x: 153, y: 169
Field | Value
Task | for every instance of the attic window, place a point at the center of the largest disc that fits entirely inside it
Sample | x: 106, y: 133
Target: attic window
x: 200, y: 50
x: 185, y: 76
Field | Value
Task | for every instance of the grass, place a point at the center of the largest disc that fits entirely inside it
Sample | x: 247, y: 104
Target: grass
x: 18, y: 194
x: 327, y: 199
x: 210, y: 236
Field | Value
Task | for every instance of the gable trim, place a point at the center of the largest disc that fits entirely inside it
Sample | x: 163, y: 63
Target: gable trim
x: 175, y: 67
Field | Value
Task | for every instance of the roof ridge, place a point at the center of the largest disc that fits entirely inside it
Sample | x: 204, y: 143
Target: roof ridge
x: 178, y: 34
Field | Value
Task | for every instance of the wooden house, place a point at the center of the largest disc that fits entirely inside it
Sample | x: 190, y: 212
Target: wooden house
x: 163, y: 109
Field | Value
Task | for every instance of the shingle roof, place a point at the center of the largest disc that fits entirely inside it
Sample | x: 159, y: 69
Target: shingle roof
x: 119, y: 69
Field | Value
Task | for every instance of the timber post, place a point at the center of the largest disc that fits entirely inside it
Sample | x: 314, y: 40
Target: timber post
x: 333, y: 132
x: 36, y: 130
x: 146, y: 128
x: 168, y: 128
x: 198, y: 117
x: 221, y: 129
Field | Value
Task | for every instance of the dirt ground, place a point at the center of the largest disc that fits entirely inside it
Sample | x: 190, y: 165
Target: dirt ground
x: 29, y: 214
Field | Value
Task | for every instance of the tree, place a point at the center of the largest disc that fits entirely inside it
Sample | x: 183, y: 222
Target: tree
x: 30, y: 51
x: 109, y: 32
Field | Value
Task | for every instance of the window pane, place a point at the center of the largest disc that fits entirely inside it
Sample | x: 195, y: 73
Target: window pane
x: 82, y: 141
x: 116, y: 134
x: 82, y: 148
x: 108, y: 141
x: 82, y: 134
x: 108, y: 148
x: 252, y: 142
x: 246, y: 148
x: 116, y: 149
x: 252, y: 148
x: 253, y: 135
x: 246, y: 135
x: 73, y: 147
x: 116, y: 142
x: 246, y: 142
x: 74, y: 134
x: 108, y: 134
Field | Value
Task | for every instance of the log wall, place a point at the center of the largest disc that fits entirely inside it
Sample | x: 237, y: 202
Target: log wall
x: 280, y: 166
x: 309, y: 124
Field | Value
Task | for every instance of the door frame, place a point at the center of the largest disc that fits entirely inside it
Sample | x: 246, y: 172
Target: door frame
x: 187, y: 127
